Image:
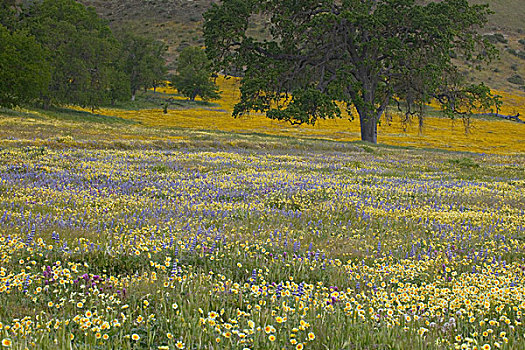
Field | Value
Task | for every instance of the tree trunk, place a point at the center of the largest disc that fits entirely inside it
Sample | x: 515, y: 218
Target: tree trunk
x: 46, y: 101
x: 366, y: 110
x: 368, y: 126
x: 133, y: 93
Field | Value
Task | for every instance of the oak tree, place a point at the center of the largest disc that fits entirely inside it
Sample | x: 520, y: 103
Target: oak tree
x: 143, y: 60
x: 319, y: 56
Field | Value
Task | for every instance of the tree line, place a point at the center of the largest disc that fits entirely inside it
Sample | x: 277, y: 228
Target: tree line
x: 61, y: 52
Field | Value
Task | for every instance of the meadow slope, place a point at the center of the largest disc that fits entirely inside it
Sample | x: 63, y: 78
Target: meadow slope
x: 484, y: 135
x: 115, y: 234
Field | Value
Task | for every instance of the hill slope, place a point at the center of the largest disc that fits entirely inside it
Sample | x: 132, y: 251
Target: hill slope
x: 179, y: 23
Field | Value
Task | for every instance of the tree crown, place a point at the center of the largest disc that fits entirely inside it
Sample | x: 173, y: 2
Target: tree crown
x: 365, y: 53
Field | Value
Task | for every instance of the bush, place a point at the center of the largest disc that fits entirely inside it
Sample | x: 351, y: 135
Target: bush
x: 517, y: 53
x: 500, y: 38
x: 496, y: 38
x: 516, y: 79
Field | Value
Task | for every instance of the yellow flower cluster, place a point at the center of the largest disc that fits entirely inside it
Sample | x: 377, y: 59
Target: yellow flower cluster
x: 483, y: 136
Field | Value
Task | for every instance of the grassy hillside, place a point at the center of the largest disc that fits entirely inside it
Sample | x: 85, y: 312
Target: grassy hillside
x: 509, y: 21
x: 508, y: 14
x: 117, y: 235
x: 179, y: 23
x: 508, y: 17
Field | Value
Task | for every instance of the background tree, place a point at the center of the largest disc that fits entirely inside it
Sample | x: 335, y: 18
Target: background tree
x: 367, y: 54
x: 194, y: 75
x: 82, y: 51
x: 24, y: 72
x: 143, y: 61
x: 119, y: 88
x: 159, y: 68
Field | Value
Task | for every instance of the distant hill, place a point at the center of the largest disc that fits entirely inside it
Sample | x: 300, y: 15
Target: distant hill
x: 179, y: 23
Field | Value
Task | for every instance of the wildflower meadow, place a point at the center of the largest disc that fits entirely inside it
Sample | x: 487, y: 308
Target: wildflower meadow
x: 121, y: 235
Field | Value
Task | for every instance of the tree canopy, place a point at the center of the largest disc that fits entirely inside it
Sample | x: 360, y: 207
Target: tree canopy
x: 8, y: 13
x: 24, y: 73
x: 83, y: 52
x: 367, y: 54
x: 61, y: 52
x: 194, y: 75
x: 143, y: 60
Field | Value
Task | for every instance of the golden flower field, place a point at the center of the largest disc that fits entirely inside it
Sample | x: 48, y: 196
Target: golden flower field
x: 192, y: 230
x: 484, y: 136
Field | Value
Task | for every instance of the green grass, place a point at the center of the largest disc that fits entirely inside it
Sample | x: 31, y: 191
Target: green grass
x: 64, y: 114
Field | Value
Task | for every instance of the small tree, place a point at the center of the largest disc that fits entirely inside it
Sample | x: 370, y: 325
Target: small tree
x: 368, y: 54
x: 194, y: 75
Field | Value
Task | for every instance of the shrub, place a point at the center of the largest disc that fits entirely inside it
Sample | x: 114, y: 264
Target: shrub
x: 496, y: 38
x: 516, y: 79
x: 517, y: 53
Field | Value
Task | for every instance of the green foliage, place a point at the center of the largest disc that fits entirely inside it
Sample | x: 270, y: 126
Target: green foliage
x: 143, y: 61
x: 82, y: 51
x: 366, y: 54
x: 71, y: 56
x: 8, y: 16
x: 75, y: 59
x: 305, y: 106
x: 24, y: 73
x: 119, y: 86
x: 194, y: 75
